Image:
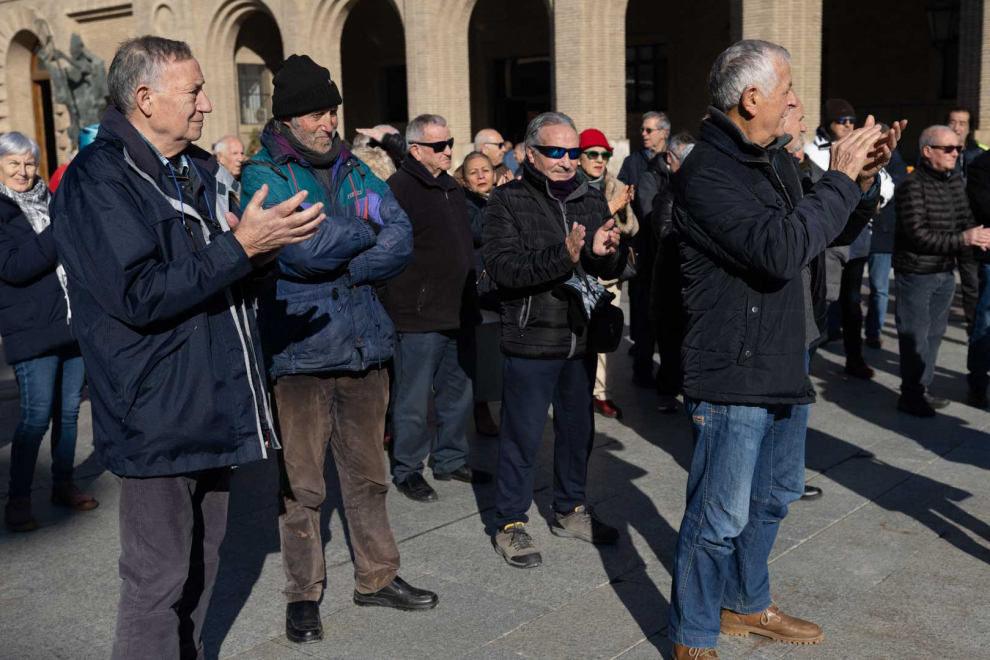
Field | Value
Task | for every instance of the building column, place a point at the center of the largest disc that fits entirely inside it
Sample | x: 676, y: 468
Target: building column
x: 797, y: 26
x: 437, y: 65
x: 974, y: 65
x: 589, y: 68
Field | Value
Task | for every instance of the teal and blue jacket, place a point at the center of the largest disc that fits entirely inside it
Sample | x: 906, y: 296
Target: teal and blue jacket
x: 324, y: 314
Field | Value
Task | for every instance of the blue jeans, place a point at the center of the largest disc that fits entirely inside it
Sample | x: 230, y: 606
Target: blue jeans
x: 978, y: 360
x: 879, y: 294
x: 922, y: 313
x: 442, y: 363
x: 748, y: 466
x: 51, y: 387
x: 529, y: 387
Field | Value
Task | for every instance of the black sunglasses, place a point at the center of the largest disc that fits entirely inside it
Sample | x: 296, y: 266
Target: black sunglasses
x: 842, y: 121
x: 558, y: 152
x: 598, y: 155
x: 437, y: 146
x: 947, y: 148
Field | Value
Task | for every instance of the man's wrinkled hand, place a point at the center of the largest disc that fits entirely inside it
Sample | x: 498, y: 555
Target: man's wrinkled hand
x: 851, y: 154
x: 881, y: 151
x: 978, y: 237
x: 376, y: 134
x: 263, y: 232
x: 575, y: 241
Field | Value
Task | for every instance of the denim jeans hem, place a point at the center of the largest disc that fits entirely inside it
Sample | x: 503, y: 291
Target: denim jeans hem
x: 458, y: 464
x: 745, y: 610
x: 693, y: 642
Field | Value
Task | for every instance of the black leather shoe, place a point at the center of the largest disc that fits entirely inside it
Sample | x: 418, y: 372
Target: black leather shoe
x: 811, y: 492
x: 416, y: 488
x: 467, y: 474
x: 398, y: 594
x: 937, y: 402
x: 302, y: 622
x: 977, y: 399
x: 919, y: 407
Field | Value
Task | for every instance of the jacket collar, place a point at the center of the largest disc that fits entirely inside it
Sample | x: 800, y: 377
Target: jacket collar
x: 933, y: 173
x: 720, y: 131
x: 542, y: 183
x: 282, y: 152
x: 119, y: 131
x: 822, y: 138
x: 416, y: 170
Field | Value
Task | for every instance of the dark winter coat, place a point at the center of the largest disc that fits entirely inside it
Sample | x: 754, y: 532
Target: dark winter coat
x: 746, y: 231
x: 978, y: 191
x: 32, y: 302
x: 438, y: 289
x: 325, y: 314
x: 885, y: 222
x: 526, y: 256
x: 163, y: 314
x: 487, y: 289
x: 932, y: 213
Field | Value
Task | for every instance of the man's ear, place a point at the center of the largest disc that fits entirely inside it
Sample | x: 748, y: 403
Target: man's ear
x: 530, y: 156
x: 143, y: 100
x: 748, y: 102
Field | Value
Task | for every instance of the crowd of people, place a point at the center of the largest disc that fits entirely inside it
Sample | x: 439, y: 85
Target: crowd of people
x: 225, y: 306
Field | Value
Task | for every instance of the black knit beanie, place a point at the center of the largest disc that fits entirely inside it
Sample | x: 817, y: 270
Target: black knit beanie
x: 835, y: 108
x: 302, y: 86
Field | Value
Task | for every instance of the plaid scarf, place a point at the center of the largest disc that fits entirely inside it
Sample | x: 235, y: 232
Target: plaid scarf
x: 34, y: 205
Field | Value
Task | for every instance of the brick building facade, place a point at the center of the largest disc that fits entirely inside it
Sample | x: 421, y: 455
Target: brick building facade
x: 498, y: 62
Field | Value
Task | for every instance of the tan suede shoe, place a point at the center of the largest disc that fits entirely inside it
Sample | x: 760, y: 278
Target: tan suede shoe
x: 774, y: 624
x: 688, y: 653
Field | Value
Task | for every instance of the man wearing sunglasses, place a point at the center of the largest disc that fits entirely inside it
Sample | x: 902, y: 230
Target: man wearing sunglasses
x: 434, y: 305
x: 934, y: 225
x: 539, y: 232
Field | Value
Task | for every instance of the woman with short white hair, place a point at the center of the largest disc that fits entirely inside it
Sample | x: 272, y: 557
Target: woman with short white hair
x: 34, y: 325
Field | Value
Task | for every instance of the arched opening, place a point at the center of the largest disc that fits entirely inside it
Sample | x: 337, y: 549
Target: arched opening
x: 670, y: 46
x: 510, y: 44
x: 29, y: 95
x: 922, y: 92
x: 257, y: 55
x: 373, y: 62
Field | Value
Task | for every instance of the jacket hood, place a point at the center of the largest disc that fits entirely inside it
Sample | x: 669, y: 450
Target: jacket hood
x: 722, y: 133
x: 822, y: 138
x: 117, y: 130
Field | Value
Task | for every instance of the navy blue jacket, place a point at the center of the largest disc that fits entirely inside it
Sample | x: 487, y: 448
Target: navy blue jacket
x: 325, y: 314
x: 32, y: 303
x: 166, y: 333
x: 746, y: 230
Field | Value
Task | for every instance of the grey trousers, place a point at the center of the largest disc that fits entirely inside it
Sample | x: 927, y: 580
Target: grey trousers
x: 170, y: 534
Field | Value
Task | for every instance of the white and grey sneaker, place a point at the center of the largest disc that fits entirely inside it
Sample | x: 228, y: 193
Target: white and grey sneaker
x: 517, y: 547
x: 582, y: 523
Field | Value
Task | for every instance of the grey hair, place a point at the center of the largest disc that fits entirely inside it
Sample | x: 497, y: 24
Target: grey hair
x: 141, y: 61
x: 679, y: 142
x: 360, y: 141
x: 377, y: 161
x: 744, y: 63
x: 663, y: 122
x: 220, y: 146
x: 416, y: 130
x: 544, y: 120
x: 928, y: 136
x: 14, y: 143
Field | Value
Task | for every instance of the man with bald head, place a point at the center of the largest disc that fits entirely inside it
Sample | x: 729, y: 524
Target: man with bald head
x: 489, y: 142
x: 229, y: 151
x: 934, y: 225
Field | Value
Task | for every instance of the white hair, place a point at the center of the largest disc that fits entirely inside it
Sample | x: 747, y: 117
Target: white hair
x: 929, y: 136
x: 416, y: 130
x: 663, y: 122
x: 14, y: 143
x: 220, y: 146
x: 743, y: 64
x: 542, y: 121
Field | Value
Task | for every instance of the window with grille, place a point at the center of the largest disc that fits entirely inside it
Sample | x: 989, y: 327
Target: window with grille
x: 646, y: 78
x: 254, y: 86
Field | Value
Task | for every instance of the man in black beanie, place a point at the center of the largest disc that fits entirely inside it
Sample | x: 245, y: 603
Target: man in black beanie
x: 328, y: 340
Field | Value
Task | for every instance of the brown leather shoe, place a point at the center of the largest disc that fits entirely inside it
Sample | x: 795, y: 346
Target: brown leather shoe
x: 688, y: 653
x: 856, y: 367
x: 17, y: 515
x: 774, y: 624
x: 67, y: 494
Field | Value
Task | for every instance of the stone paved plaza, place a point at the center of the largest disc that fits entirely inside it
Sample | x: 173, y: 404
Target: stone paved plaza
x: 892, y: 561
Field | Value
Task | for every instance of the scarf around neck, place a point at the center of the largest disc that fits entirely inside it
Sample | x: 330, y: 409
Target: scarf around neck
x: 314, y: 158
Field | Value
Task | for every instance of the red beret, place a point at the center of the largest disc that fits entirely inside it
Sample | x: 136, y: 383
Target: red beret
x: 592, y: 137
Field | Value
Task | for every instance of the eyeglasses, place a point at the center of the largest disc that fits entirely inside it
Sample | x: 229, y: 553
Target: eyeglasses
x: 500, y: 145
x: 598, y: 155
x: 437, y: 146
x: 842, y: 121
x: 947, y: 148
x: 648, y: 130
x: 558, y: 152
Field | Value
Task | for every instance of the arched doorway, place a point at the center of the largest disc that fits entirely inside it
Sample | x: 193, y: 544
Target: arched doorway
x: 670, y: 47
x: 257, y: 55
x: 29, y: 95
x: 373, y: 63
x: 510, y: 44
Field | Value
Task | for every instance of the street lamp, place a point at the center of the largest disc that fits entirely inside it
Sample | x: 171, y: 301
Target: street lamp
x: 943, y: 22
